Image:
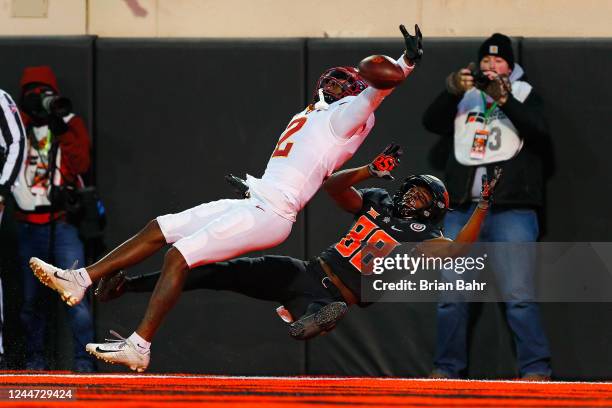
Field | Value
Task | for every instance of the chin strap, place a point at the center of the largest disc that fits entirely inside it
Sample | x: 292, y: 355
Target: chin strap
x: 321, y: 104
x: 421, y: 215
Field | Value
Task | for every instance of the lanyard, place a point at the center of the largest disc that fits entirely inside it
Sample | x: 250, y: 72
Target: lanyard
x: 487, y: 112
x: 47, y: 144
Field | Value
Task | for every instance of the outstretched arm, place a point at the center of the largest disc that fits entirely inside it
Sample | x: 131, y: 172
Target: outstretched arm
x: 340, y: 184
x: 340, y: 188
x: 346, y: 120
x: 444, y: 247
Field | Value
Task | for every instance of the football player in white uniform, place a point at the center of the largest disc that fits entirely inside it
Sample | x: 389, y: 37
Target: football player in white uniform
x: 316, y: 142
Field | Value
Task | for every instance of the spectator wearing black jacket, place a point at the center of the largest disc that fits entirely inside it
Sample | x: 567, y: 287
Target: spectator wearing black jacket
x: 494, y: 117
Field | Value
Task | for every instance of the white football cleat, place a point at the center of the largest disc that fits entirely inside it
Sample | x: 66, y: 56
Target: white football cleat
x: 64, y: 281
x: 121, y: 351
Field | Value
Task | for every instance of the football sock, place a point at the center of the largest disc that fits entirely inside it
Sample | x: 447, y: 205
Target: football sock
x: 141, y: 344
x: 82, y: 277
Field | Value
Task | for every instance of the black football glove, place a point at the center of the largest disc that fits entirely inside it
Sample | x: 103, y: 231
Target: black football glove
x: 240, y: 186
x: 384, y: 163
x: 111, y: 287
x: 414, y: 44
x: 488, y: 187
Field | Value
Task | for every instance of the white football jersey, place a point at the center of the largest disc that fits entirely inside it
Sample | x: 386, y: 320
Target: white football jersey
x: 307, y: 152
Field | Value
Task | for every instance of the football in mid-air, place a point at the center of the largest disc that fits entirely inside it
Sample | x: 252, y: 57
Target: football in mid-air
x: 381, y: 72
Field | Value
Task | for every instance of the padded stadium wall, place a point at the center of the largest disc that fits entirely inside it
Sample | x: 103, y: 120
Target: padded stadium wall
x: 169, y: 118
x: 316, y: 18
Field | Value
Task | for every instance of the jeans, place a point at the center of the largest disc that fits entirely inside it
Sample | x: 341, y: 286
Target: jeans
x: 515, y: 277
x: 67, y: 248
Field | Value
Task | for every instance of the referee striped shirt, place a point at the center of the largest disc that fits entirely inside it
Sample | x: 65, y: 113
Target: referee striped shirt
x: 12, y: 143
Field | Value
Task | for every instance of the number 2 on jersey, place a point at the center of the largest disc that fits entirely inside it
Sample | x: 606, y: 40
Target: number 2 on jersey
x: 283, y: 147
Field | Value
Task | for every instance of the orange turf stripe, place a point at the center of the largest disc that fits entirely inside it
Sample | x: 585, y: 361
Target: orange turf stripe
x: 101, y: 391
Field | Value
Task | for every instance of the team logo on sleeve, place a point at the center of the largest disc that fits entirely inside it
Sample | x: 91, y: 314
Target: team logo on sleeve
x: 417, y: 227
x: 373, y: 213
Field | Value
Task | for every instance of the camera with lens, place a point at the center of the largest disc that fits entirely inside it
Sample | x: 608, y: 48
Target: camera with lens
x: 56, y: 105
x: 480, y: 79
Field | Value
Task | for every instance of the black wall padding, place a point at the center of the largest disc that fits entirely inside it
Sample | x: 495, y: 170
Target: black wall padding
x: 173, y: 118
x: 72, y: 61
x: 571, y: 75
x: 576, y: 90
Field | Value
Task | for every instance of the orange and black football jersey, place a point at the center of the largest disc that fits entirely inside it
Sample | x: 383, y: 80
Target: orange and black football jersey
x: 374, y: 233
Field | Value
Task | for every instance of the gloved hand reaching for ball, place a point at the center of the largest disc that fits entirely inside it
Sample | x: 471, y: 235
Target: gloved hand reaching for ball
x: 385, y: 162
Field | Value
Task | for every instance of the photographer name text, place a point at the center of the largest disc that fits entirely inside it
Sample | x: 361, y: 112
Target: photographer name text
x: 429, y: 286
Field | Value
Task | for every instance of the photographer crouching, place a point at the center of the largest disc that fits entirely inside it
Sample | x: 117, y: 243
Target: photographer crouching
x: 493, y: 117
x: 57, y: 152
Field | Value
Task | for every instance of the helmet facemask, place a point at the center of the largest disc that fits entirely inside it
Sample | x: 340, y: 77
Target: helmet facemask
x: 405, y: 200
x: 339, y: 82
x: 407, y: 206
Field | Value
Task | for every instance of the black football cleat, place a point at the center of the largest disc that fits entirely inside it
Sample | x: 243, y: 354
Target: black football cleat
x: 320, y: 322
x: 111, y: 287
x: 239, y: 185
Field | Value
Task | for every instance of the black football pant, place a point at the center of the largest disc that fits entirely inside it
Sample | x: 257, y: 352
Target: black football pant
x: 294, y: 283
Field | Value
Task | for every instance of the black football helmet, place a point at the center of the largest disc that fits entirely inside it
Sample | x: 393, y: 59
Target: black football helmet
x: 347, y: 78
x: 436, y: 209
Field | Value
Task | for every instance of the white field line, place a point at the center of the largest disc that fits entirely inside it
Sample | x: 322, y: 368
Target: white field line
x: 306, y: 378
